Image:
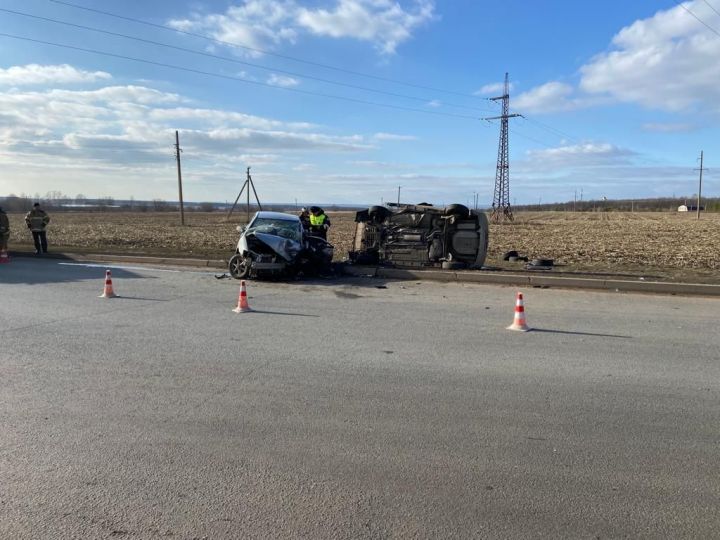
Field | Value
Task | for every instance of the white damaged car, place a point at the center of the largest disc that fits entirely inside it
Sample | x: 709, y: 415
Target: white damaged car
x: 275, y: 243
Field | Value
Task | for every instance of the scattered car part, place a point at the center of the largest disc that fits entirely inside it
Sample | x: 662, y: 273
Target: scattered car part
x: 509, y: 254
x: 542, y: 262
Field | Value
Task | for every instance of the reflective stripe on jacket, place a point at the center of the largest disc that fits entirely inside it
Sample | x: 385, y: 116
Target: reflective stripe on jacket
x: 37, y: 220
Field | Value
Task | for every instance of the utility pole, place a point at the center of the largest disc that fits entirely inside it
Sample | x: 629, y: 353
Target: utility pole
x: 399, y: 195
x: 248, y: 185
x: 501, y: 209
x: 179, y: 170
x: 700, y: 184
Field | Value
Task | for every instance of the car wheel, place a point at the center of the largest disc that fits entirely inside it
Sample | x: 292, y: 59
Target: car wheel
x: 459, y: 210
x: 239, y: 266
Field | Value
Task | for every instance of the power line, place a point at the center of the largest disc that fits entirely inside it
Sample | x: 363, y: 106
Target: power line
x: 234, y: 60
x: 528, y: 137
x: 239, y: 79
x: 551, y: 129
x: 262, y: 51
x: 698, y: 18
x: 711, y: 7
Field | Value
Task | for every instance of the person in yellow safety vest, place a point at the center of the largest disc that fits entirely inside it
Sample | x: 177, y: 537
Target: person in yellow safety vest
x: 319, y: 222
x: 4, y: 230
x: 36, y: 220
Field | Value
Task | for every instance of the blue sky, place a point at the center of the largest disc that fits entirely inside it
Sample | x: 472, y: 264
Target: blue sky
x: 618, y: 97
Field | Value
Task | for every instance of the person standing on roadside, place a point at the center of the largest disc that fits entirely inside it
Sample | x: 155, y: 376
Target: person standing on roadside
x: 319, y: 222
x: 4, y: 230
x: 36, y: 220
x: 305, y: 218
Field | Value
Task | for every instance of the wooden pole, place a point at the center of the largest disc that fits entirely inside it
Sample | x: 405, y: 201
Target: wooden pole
x: 700, y: 185
x: 179, y: 172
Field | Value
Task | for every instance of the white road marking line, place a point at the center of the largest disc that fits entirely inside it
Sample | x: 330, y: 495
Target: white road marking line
x: 147, y: 268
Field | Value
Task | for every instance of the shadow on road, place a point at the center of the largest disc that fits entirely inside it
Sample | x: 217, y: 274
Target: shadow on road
x: 40, y: 270
x: 123, y: 297
x: 282, y: 313
x: 578, y: 333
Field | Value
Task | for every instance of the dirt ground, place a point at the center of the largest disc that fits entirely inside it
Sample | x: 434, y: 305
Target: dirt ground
x: 664, y: 245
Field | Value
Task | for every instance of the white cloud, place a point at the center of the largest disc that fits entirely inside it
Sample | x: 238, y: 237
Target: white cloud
x: 282, y: 81
x: 585, y: 154
x: 223, y: 140
x: 394, y: 137
x: 210, y: 117
x: 549, y: 96
x: 263, y: 24
x: 554, y: 96
x: 75, y: 138
x: 493, y: 88
x: 304, y: 167
x: 35, y: 74
x: 385, y: 23
x: 435, y: 103
x: 667, y: 61
x: 257, y: 24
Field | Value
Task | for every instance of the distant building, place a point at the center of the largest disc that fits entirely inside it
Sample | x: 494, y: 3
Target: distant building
x: 690, y: 208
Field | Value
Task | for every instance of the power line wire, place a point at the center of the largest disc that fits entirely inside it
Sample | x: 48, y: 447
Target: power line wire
x: 261, y: 51
x: 698, y: 18
x: 544, y: 126
x: 520, y: 134
x: 551, y: 129
x: 240, y: 79
x: 711, y: 7
x: 235, y: 60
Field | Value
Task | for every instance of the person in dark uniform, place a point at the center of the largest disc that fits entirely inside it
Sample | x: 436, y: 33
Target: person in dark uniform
x: 4, y: 231
x: 37, y: 220
x: 305, y: 218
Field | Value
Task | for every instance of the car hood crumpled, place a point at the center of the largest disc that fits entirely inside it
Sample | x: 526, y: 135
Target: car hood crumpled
x: 288, y: 249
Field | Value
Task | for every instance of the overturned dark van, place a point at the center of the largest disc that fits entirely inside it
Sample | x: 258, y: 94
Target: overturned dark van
x: 420, y: 235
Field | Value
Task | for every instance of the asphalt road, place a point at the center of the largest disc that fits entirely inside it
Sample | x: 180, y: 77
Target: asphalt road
x: 354, y: 409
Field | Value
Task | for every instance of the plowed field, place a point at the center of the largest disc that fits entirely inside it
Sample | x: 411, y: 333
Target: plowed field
x: 670, y: 245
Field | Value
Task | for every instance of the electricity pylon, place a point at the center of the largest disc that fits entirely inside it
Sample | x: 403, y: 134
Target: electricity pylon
x: 501, y: 209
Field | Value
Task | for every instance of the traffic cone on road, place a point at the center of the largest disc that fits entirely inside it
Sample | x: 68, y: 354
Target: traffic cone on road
x: 4, y: 257
x: 519, y: 322
x: 243, y: 305
x: 108, y: 290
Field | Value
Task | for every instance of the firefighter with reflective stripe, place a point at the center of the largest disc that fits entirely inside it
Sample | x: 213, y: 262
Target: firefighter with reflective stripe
x: 36, y: 220
x: 4, y: 230
x: 319, y: 222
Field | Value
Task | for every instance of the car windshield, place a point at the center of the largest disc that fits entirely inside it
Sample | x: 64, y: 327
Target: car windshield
x: 277, y: 227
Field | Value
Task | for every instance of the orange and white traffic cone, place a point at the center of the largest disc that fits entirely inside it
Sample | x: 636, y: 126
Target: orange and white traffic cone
x: 4, y: 257
x: 243, y: 305
x: 519, y: 322
x: 108, y: 290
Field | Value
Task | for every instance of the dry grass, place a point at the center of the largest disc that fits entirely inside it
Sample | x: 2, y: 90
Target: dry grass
x: 675, y: 243
x: 204, y: 234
